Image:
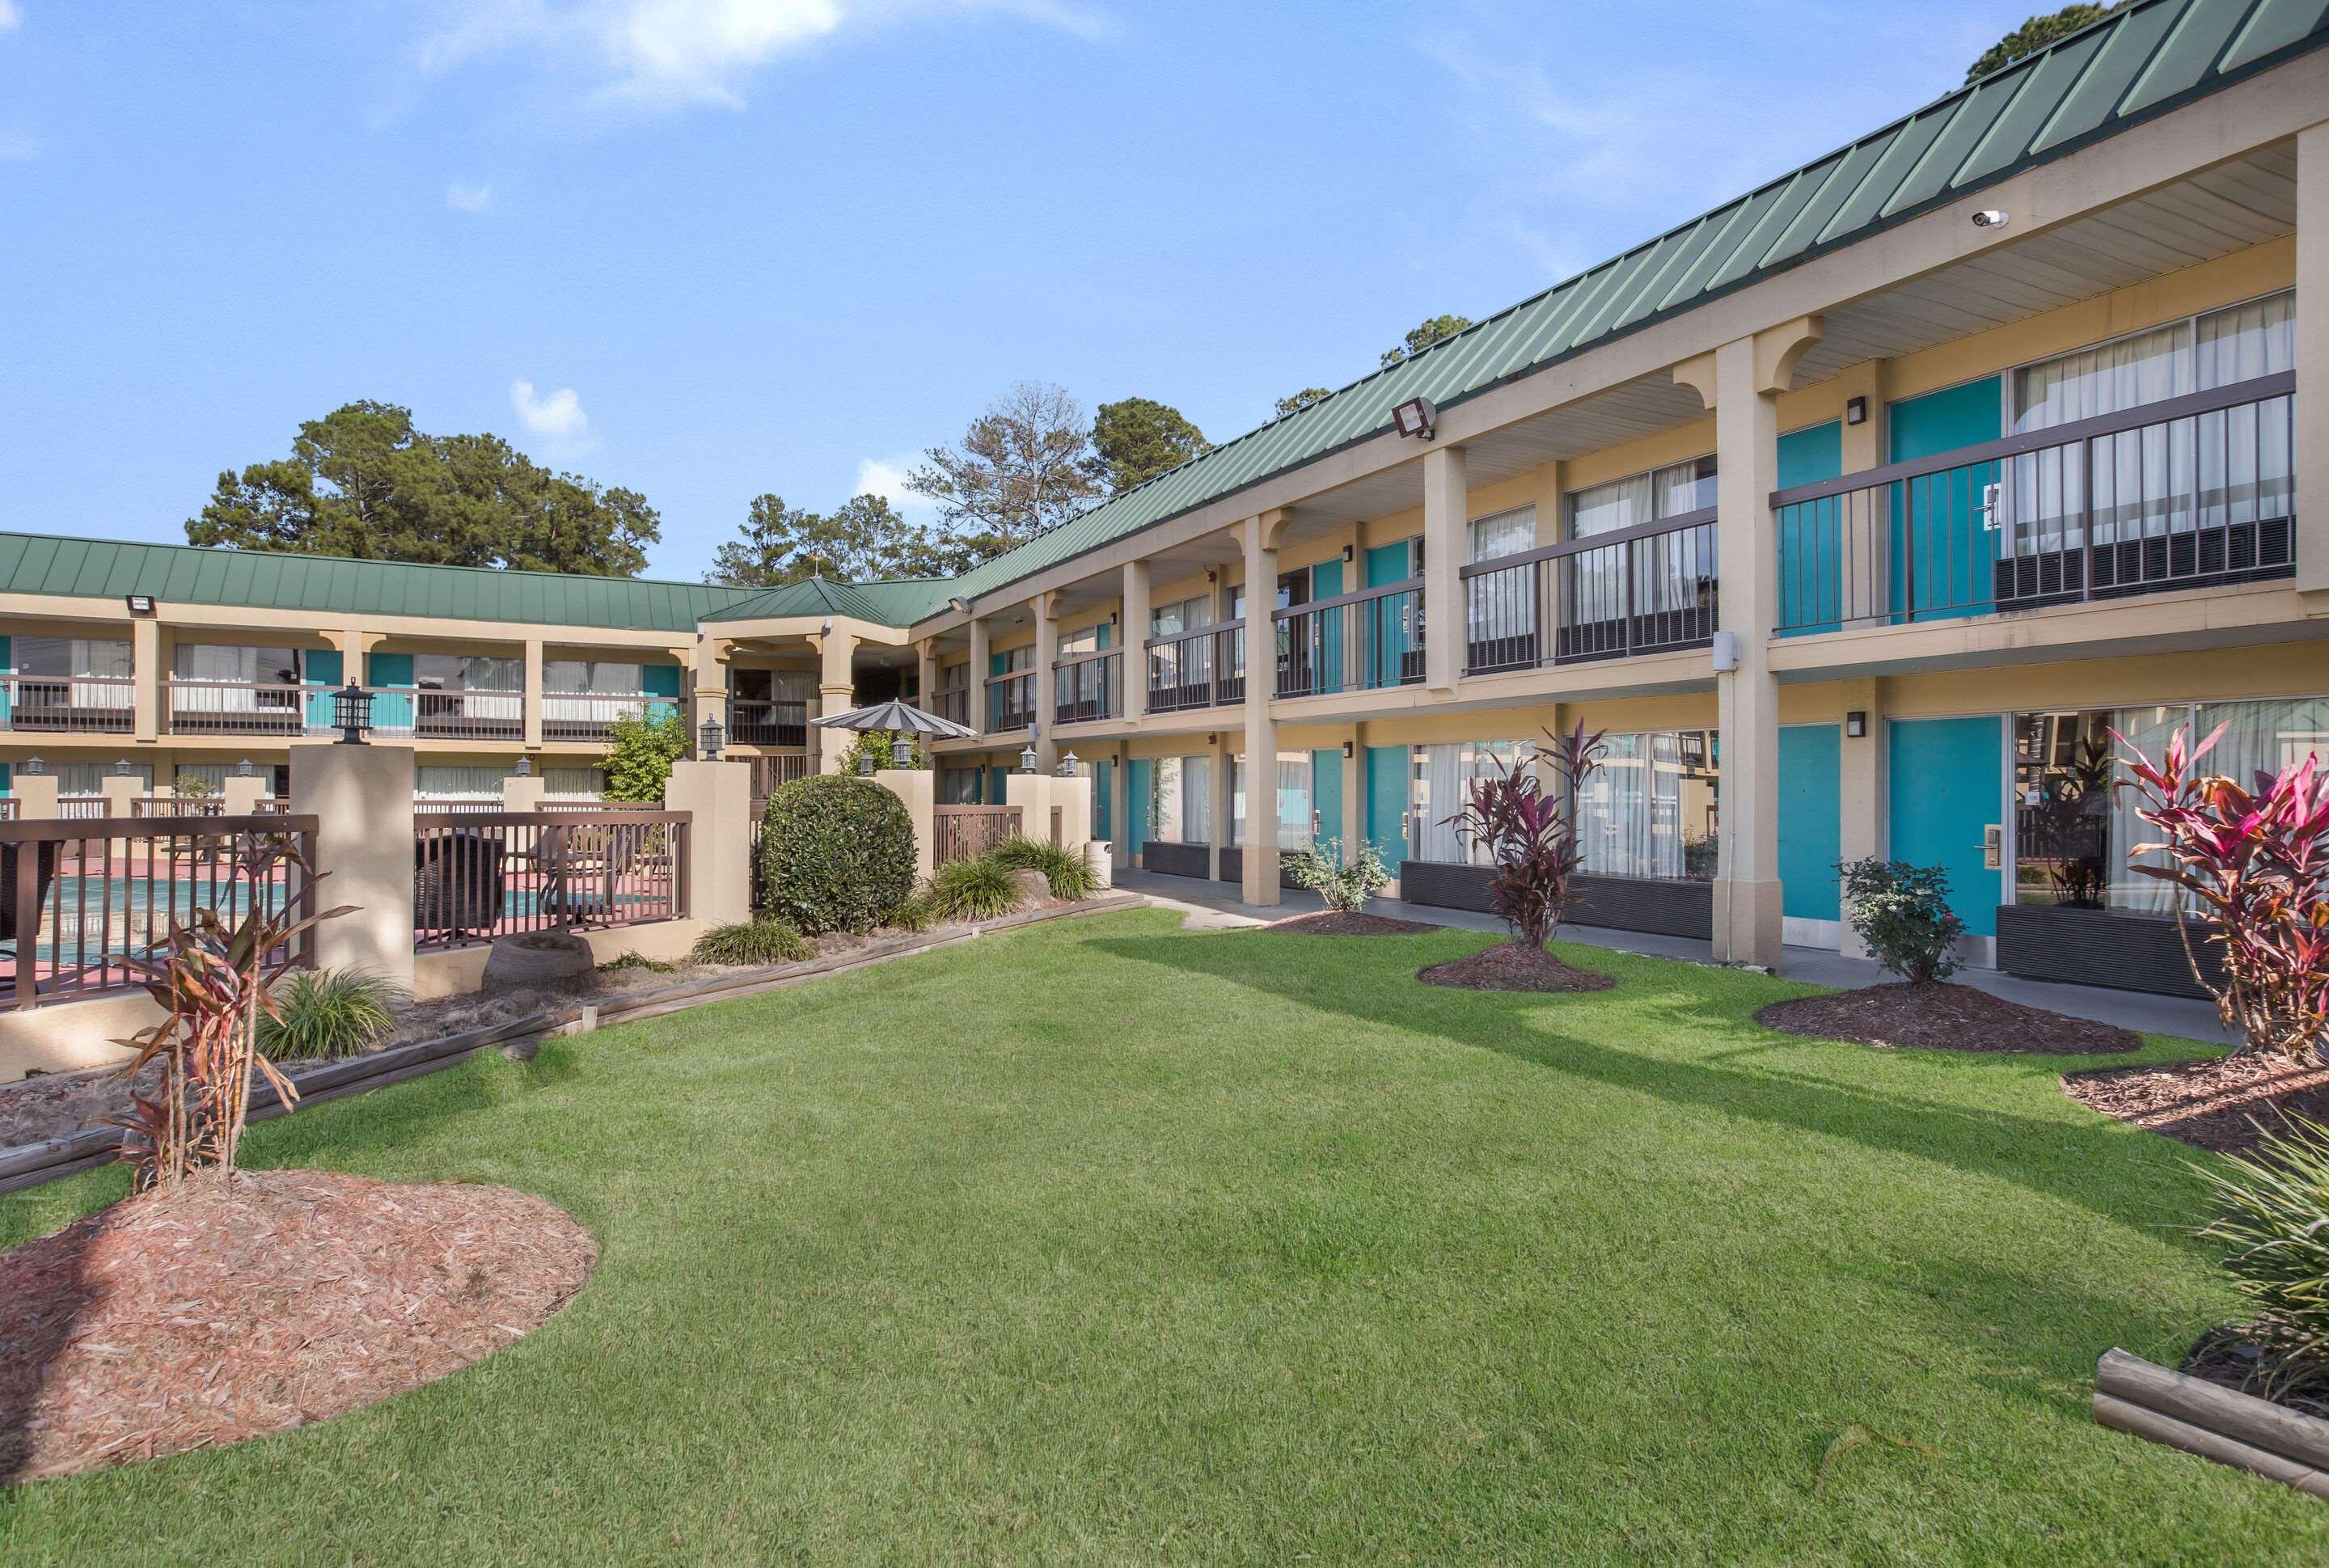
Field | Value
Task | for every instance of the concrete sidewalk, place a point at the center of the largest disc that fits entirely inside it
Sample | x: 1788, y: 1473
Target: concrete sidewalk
x: 1217, y: 906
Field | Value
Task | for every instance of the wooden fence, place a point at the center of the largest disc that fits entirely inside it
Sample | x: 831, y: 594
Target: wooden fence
x: 968, y: 832
x: 481, y: 874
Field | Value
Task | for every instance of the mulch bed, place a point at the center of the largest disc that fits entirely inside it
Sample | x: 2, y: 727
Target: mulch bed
x: 1514, y: 967
x: 249, y: 1305
x: 1334, y: 923
x: 2232, y: 1358
x: 2208, y: 1104
x: 1939, y: 1017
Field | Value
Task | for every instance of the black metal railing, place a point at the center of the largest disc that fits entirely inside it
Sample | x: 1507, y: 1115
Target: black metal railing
x: 481, y: 874
x: 2191, y: 491
x: 1010, y: 701
x: 1087, y: 687
x: 1204, y: 669
x: 1353, y: 642
x: 757, y: 722
x: 1647, y: 589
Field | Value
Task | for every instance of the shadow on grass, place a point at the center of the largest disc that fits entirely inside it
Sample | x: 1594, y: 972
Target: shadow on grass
x: 2076, y: 1161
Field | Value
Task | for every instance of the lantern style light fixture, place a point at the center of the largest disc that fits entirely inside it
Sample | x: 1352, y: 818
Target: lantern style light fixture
x: 524, y: 769
x: 1069, y: 766
x: 352, y: 713
x: 242, y: 768
x: 1417, y: 416
x: 710, y: 739
x: 121, y: 769
x: 35, y: 767
x: 864, y: 763
x: 1027, y: 759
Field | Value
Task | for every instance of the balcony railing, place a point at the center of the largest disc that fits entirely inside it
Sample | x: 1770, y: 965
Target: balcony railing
x: 586, y: 715
x: 1085, y: 688
x: 465, y: 715
x: 757, y: 722
x: 2188, y: 493
x: 248, y: 708
x: 1204, y: 669
x: 953, y: 704
x: 1010, y: 701
x: 1354, y: 642
x: 1648, y: 589
x: 69, y: 705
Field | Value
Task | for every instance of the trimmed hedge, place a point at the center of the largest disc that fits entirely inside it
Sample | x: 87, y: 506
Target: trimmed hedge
x: 836, y: 853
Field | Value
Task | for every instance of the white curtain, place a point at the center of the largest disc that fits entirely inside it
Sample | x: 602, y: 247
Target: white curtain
x: 2148, y: 730
x: 1443, y: 779
x: 1180, y: 801
x: 82, y: 778
x: 1293, y: 777
x: 572, y: 783
x: 1504, y: 534
x: 1629, y: 813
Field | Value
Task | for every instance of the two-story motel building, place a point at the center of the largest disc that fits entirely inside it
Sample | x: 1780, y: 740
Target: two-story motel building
x: 1858, y: 512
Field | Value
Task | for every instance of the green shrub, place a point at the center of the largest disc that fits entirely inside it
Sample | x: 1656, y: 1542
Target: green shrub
x: 1902, y: 913
x: 1345, y: 888
x: 640, y: 752
x: 1069, y: 871
x: 328, y: 1013
x: 752, y: 944
x: 2275, y: 1220
x: 975, y: 890
x: 836, y: 853
x: 920, y: 912
x: 638, y: 960
x: 887, y: 749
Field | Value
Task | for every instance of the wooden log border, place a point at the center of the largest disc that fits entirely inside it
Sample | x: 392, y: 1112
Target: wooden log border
x: 2150, y: 1400
x: 34, y: 1164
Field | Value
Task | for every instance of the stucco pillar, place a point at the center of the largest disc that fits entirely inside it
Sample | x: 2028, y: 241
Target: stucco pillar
x: 145, y: 687
x: 239, y: 796
x: 1219, y: 806
x: 1119, y: 808
x: 523, y: 794
x: 119, y: 791
x: 926, y: 675
x: 917, y: 787
x: 1864, y: 785
x: 361, y: 799
x: 711, y: 667
x: 1136, y: 638
x: 1261, y: 847
x: 976, y: 701
x: 1745, y: 376
x: 2311, y: 402
x: 719, y: 796
x: 35, y: 793
x: 836, y: 692
x: 1047, y: 649
x: 1446, y: 523
x: 1863, y: 443
x: 533, y: 717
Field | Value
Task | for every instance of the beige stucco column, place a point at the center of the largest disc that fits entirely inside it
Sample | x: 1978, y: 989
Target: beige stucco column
x: 1741, y: 382
x: 1260, y: 857
x: 836, y: 692
x: 361, y: 799
x: 975, y: 701
x: 35, y: 793
x: 523, y: 794
x: 145, y: 688
x: 119, y: 791
x: 1355, y: 793
x: 1863, y: 443
x: 719, y: 797
x: 1864, y: 785
x: 239, y: 796
x: 711, y: 676
x: 1119, y: 808
x: 926, y: 675
x: 918, y: 790
x: 1219, y: 806
x: 2311, y: 402
x: 1135, y: 621
x: 532, y: 716
x: 1047, y: 649
x: 1446, y: 523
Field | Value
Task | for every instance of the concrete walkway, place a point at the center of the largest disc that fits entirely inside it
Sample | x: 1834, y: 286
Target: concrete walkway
x: 1216, y: 906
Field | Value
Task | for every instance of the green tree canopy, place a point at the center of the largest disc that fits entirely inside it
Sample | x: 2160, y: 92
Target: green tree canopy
x: 1138, y: 438
x: 1423, y: 337
x: 1023, y: 467
x: 363, y: 482
x: 863, y: 539
x: 1301, y: 399
x: 640, y: 752
x: 2034, y: 34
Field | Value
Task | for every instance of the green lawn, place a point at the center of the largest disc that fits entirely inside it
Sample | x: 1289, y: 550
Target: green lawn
x: 1108, y: 1243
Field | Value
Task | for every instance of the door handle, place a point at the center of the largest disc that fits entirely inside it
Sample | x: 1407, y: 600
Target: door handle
x: 1992, y: 847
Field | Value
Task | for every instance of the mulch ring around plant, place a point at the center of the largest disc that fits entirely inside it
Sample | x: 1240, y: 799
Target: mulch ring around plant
x: 2233, y: 1358
x: 1514, y: 967
x: 248, y: 1306
x: 1338, y: 923
x: 1935, y: 1016
x: 2208, y: 1104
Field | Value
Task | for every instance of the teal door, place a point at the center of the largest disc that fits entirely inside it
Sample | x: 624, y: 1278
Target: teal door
x: 1811, y: 581
x: 1811, y: 821
x: 392, y: 704
x: 1326, y: 792
x: 1944, y: 555
x: 1103, y: 778
x: 1948, y: 787
x: 320, y: 668
x: 1138, y: 782
x: 1389, y: 631
x: 996, y: 794
x: 1386, y: 798
x: 1324, y: 654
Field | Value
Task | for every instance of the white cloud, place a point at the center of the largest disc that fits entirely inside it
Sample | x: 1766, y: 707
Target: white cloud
x: 886, y: 477
x: 10, y: 18
x: 467, y: 198
x: 559, y: 416
x: 675, y: 51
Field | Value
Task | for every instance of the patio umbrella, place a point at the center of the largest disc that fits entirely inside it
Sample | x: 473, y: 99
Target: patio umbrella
x: 898, y: 718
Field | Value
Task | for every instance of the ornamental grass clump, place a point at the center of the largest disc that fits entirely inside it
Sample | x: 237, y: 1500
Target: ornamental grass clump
x: 836, y: 854
x: 1344, y: 888
x: 975, y: 890
x: 1902, y: 913
x: 752, y: 944
x: 321, y: 1015
x: 1068, y: 871
x: 2275, y: 1225
x: 2254, y: 865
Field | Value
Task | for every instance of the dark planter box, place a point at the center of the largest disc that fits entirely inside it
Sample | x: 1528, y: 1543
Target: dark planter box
x: 1233, y: 867
x: 2093, y: 947
x: 1626, y: 903
x: 1175, y: 859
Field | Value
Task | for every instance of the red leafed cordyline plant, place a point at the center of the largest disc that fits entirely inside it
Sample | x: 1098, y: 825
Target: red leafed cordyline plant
x: 2257, y: 861
x: 1531, y: 834
x: 214, y: 980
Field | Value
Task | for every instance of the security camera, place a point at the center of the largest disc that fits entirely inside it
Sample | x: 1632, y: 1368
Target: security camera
x: 1990, y: 218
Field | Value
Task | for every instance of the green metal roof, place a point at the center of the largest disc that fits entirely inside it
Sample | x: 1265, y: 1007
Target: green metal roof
x: 2136, y: 63
x: 325, y: 585
x: 896, y: 603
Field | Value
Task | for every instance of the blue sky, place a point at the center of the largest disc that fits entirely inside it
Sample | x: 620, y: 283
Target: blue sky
x: 711, y: 248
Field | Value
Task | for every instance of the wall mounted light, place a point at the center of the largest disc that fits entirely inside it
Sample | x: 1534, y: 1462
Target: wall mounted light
x: 1416, y: 416
x: 1350, y: 749
x: 140, y: 603
x: 1350, y: 553
x: 710, y: 739
x: 1855, y: 725
x: 959, y: 605
x: 1855, y: 410
x: 1210, y: 575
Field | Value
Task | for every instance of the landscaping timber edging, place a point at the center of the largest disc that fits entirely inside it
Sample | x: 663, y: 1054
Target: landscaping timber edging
x: 34, y: 1164
x: 2149, y: 1401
